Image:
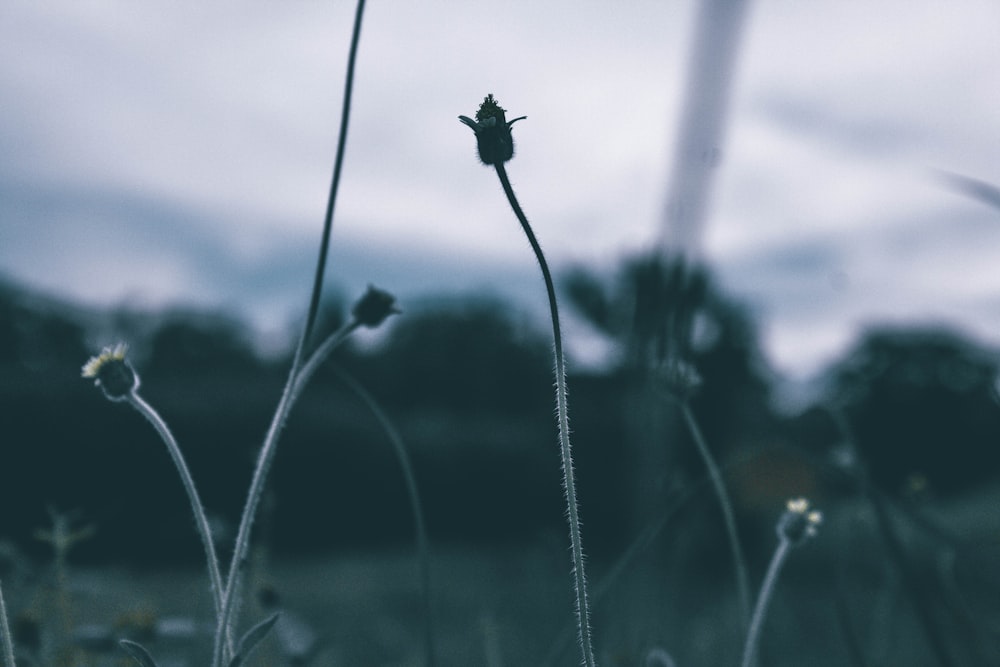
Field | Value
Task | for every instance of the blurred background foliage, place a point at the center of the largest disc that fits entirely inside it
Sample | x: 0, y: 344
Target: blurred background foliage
x: 468, y: 384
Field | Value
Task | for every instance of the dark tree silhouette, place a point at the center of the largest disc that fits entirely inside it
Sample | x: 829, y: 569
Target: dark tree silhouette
x: 661, y: 310
x: 472, y: 355
x: 196, y: 342
x: 922, y: 402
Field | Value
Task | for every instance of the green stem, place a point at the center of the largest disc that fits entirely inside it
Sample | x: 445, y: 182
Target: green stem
x: 197, y: 507
x: 766, y: 592
x: 423, y: 548
x: 8, y: 642
x: 569, y: 482
x: 739, y: 562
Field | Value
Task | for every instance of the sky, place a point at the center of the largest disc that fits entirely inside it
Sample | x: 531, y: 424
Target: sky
x: 165, y: 153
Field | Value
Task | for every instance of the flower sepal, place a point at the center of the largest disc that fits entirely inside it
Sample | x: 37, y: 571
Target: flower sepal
x: 493, y: 137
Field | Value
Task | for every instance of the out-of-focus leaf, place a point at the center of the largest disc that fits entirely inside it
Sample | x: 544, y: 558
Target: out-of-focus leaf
x: 140, y: 654
x: 250, y: 640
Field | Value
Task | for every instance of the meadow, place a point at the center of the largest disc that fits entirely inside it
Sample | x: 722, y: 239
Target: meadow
x: 454, y: 491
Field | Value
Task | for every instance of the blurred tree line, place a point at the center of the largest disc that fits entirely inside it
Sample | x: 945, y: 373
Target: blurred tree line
x: 468, y: 384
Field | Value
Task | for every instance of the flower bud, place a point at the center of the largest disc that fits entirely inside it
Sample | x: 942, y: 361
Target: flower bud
x: 493, y: 137
x: 374, y: 307
x: 798, y: 524
x: 112, y: 372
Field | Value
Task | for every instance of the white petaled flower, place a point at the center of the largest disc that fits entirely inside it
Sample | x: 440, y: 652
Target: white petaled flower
x: 112, y: 372
x: 799, y: 523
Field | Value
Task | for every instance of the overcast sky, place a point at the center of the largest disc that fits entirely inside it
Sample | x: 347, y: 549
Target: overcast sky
x: 167, y: 152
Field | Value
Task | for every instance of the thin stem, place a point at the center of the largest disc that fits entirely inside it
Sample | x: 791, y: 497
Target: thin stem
x: 293, y: 389
x: 569, y: 483
x: 423, y: 548
x: 739, y: 562
x: 639, y: 544
x: 911, y: 577
x: 8, y: 642
x: 345, y: 114
x: 766, y: 591
x: 912, y: 584
x: 197, y: 507
x: 320, y: 354
x: 287, y: 398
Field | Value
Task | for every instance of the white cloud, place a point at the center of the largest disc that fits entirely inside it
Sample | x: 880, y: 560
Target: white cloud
x: 225, y: 114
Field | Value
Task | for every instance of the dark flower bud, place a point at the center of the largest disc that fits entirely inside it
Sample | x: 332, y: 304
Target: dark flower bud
x: 493, y: 137
x: 112, y: 372
x: 374, y: 307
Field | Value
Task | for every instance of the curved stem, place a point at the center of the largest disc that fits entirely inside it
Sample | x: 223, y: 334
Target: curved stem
x: 345, y: 114
x: 319, y: 355
x: 293, y: 389
x: 922, y: 605
x: 197, y: 508
x: 287, y: 398
x: 766, y: 591
x: 739, y: 563
x: 423, y: 548
x: 569, y: 482
x: 624, y: 561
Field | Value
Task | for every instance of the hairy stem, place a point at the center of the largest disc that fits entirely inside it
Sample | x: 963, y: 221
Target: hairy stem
x: 760, y: 611
x: 5, y: 636
x: 569, y: 482
x: 621, y: 564
x: 739, y: 562
x: 197, y: 507
x: 293, y: 389
x: 319, y: 355
x: 287, y: 399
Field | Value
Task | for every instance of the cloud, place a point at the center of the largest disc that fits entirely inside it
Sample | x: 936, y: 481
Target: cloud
x: 190, y: 146
x: 815, y: 295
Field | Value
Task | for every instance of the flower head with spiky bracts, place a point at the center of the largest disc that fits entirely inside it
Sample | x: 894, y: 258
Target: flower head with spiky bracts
x: 112, y: 372
x: 493, y: 137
